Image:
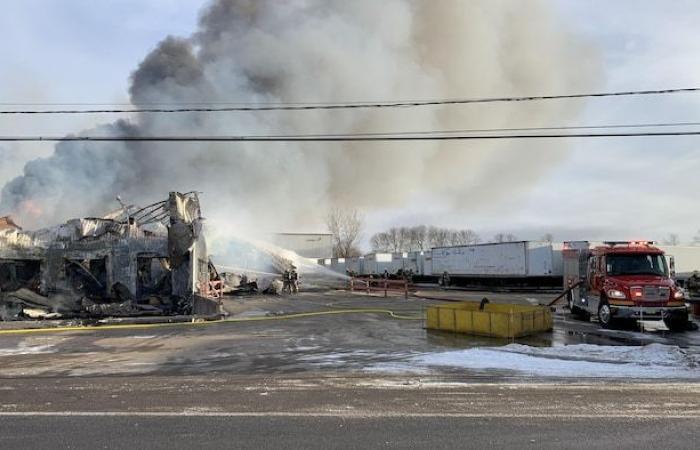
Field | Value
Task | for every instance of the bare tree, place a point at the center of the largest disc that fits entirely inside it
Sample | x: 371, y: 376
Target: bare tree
x: 418, y: 238
x: 346, y: 227
x: 394, y: 239
x: 696, y: 239
x: 547, y: 237
x: 379, y: 242
x: 375, y: 242
x: 502, y: 237
x: 404, y: 239
x: 672, y: 239
x: 466, y: 237
x: 439, y: 237
x: 453, y: 237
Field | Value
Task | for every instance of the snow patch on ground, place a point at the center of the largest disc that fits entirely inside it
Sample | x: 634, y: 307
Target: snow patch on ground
x: 304, y: 348
x: 24, y: 349
x: 582, y: 360
x: 337, y: 358
x: 367, y: 360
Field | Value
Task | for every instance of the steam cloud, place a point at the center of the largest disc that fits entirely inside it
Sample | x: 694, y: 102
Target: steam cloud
x: 249, y: 51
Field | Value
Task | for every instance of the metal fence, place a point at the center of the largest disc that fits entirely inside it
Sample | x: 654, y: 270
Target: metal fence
x: 381, y: 285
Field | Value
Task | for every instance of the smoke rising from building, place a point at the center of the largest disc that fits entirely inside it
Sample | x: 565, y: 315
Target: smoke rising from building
x: 251, y: 51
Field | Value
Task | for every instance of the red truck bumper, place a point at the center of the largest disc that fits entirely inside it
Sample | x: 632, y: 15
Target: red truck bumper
x: 661, y: 312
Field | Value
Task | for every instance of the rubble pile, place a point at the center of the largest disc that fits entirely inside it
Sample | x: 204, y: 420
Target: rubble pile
x: 260, y: 267
x: 133, y: 261
x: 257, y: 268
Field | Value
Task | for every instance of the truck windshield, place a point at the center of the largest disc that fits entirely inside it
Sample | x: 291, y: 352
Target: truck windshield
x: 636, y: 265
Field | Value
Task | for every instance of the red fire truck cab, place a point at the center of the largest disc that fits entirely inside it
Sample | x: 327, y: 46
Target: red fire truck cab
x: 622, y: 280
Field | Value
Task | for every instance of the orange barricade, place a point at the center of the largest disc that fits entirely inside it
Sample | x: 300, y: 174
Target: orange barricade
x: 369, y: 285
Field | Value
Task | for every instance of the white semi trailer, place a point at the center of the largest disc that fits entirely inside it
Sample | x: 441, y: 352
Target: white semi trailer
x: 524, y: 262
x: 510, y: 259
x: 377, y: 263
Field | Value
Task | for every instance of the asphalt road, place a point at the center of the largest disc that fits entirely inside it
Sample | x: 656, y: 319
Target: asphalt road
x: 188, y: 432
x: 318, y: 411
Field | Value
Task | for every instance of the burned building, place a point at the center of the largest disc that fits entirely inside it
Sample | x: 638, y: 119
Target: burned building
x: 133, y: 261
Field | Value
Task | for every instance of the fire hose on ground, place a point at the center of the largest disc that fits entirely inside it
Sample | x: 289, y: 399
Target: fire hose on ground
x: 390, y: 313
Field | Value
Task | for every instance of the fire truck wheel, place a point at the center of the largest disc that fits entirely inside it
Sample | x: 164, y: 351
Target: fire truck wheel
x: 577, y: 312
x: 604, y: 314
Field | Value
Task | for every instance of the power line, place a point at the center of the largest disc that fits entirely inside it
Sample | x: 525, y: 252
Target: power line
x: 350, y: 105
x: 388, y: 134
x: 492, y: 130
x: 448, y: 132
x: 337, y: 138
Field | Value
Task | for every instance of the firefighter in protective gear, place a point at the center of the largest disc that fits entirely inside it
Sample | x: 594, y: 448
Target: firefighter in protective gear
x: 445, y: 279
x: 287, y: 282
x: 294, y: 280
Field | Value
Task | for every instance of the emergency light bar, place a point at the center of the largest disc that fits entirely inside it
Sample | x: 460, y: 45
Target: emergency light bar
x: 630, y: 243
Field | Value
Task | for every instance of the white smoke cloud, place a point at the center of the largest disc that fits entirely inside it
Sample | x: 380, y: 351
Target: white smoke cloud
x: 325, y: 51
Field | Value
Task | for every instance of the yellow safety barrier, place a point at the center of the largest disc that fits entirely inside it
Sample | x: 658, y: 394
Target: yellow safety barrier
x: 495, y: 320
x: 389, y: 312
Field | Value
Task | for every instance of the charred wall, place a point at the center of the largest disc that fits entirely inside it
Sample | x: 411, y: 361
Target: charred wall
x: 109, y: 266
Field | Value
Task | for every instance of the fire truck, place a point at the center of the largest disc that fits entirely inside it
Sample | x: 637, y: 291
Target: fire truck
x: 622, y: 281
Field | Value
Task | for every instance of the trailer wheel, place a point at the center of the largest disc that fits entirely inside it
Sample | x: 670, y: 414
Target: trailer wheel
x: 605, y: 314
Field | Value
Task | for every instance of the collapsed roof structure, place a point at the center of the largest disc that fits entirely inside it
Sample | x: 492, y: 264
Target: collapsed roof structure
x: 133, y: 261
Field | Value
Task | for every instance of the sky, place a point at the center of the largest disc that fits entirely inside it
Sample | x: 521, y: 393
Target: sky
x: 76, y: 51
x: 80, y: 51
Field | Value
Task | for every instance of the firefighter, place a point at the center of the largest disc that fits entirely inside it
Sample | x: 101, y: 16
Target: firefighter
x: 693, y: 284
x: 286, y: 281
x: 294, y: 280
x: 445, y: 279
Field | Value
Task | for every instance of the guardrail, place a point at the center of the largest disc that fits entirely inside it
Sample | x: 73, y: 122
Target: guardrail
x: 369, y: 285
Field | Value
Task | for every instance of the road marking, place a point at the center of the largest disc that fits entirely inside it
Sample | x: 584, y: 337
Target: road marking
x: 346, y: 414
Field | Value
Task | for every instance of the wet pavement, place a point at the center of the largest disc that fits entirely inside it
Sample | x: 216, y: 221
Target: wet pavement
x: 325, y: 381
x: 347, y: 343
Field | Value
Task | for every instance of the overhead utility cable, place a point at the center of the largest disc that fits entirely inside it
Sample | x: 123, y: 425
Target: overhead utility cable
x: 502, y: 130
x: 351, y: 105
x: 397, y: 133
x: 339, y: 138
